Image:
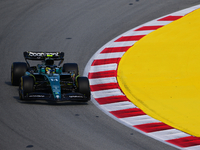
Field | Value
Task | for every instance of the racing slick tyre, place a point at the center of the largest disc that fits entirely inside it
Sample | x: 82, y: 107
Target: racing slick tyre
x: 26, y: 86
x: 84, y: 87
x: 67, y: 67
x: 18, y: 69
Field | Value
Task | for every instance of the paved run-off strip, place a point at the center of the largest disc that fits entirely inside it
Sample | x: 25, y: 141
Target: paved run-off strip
x: 108, y: 96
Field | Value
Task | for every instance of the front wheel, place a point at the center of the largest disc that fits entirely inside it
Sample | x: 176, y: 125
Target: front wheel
x: 26, y: 86
x: 84, y: 86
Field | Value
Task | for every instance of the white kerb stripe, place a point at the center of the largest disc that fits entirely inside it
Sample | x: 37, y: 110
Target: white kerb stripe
x: 185, y: 11
x: 110, y: 55
x: 106, y: 67
x: 121, y: 44
x: 107, y: 93
x: 158, y: 23
x: 138, y: 120
x: 132, y: 33
x: 118, y: 106
x: 192, y: 148
x: 168, y: 134
x: 103, y: 80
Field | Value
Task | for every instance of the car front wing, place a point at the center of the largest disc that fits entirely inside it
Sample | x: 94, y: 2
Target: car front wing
x: 64, y: 97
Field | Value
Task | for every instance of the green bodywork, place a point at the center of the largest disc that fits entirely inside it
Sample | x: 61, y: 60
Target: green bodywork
x: 52, y: 78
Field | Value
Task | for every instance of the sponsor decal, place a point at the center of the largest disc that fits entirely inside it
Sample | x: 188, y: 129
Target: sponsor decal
x: 75, y: 96
x: 36, y: 96
x: 34, y: 54
x: 54, y: 80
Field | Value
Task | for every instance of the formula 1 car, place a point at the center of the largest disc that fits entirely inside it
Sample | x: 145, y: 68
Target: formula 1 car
x: 47, y: 81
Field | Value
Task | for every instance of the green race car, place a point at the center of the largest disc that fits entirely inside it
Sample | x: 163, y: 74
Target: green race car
x: 47, y: 81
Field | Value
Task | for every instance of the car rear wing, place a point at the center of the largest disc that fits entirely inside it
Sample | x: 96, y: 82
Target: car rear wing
x: 43, y: 55
x: 33, y: 55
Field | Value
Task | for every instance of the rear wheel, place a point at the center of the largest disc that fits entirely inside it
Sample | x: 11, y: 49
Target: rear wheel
x: 18, y: 69
x: 83, y: 86
x: 26, y: 86
x: 71, y: 67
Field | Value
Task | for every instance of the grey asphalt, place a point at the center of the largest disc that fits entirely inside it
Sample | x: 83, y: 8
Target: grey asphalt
x: 78, y: 28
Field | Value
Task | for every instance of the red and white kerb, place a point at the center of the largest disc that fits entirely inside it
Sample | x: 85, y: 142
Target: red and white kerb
x: 107, y: 95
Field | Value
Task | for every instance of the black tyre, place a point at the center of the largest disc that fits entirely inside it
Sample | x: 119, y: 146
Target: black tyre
x: 83, y: 86
x: 26, y: 86
x: 71, y: 67
x: 18, y: 69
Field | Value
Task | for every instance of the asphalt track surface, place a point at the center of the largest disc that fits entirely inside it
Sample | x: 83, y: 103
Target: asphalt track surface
x: 79, y: 28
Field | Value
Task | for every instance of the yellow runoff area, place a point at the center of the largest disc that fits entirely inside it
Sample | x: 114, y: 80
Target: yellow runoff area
x: 161, y: 74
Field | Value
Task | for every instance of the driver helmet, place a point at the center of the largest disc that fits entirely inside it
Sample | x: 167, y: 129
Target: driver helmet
x: 49, y: 61
x: 50, y: 70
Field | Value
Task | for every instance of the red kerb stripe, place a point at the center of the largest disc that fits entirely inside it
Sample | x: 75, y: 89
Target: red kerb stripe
x: 186, y: 141
x: 106, y: 86
x: 111, y: 99
x: 106, y: 61
x: 127, y: 112
x: 115, y: 49
x: 102, y: 74
x: 130, y: 38
x: 152, y: 127
x: 148, y: 28
x: 170, y: 18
